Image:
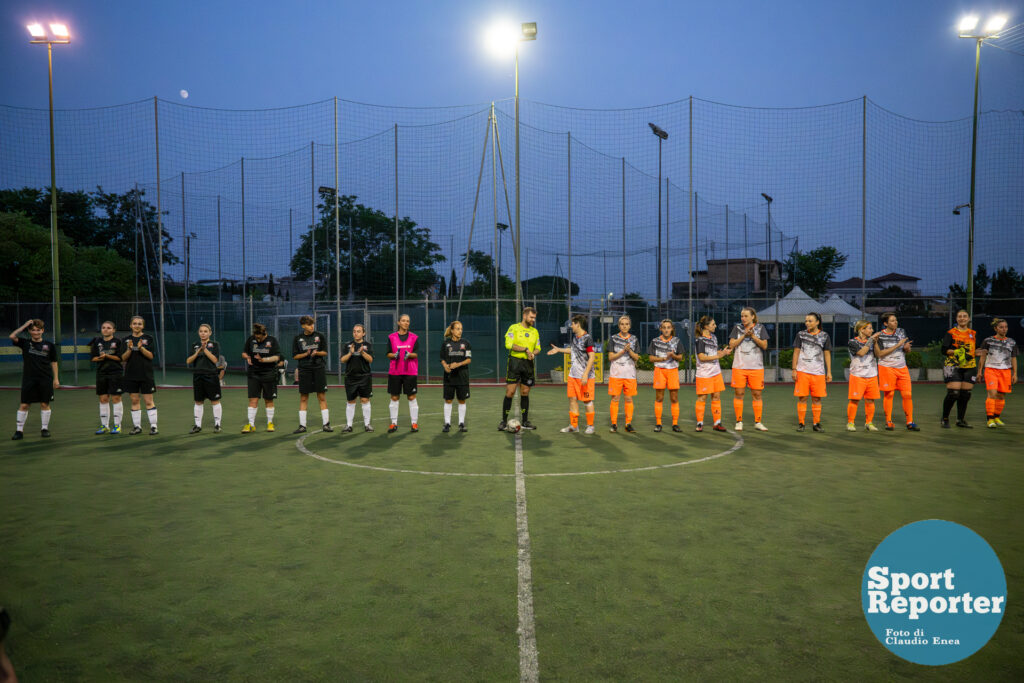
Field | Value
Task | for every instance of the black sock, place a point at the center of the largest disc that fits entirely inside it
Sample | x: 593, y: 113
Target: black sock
x: 949, y: 402
x: 505, y: 407
x: 524, y: 406
x: 961, y: 405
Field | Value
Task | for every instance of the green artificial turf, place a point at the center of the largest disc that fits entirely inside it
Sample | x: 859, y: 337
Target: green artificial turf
x: 239, y: 557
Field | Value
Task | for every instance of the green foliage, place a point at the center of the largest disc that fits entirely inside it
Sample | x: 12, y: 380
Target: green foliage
x: 481, y: 266
x: 899, y: 300
x: 845, y: 362
x: 933, y: 354
x: 726, y: 362
x: 914, y: 359
x: 1001, y: 293
x: 785, y: 358
x: 812, y: 271
x: 644, y: 362
x: 549, y: 286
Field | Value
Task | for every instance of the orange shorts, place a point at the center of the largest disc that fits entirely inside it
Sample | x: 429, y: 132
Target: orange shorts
x: 666, y: 378
x: 807, y: 384
x: 577, y: 388
x: 621, y: 385
x: 894, y: 379
x: 863, y: 387
x: 748, y: 378
x: 710, y: 385
x: 998, y: 380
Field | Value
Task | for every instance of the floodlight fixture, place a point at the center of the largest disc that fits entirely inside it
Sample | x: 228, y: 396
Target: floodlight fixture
x: 968, y: 23
x: 36, y: 31
x: 529, y: 30
x: 323, y: 189
x: 995, y: 24
x: 658, y: 131
x: 956, y: 211
x: 767, y: 198
x: 60, y: 31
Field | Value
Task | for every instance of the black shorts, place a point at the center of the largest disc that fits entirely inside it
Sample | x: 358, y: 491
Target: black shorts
x: 520, y: 371
x: 402, y: 384
x: 263, y: 387
x: 312, y: 381
x: 459, y: 391
x: 205, y: 387
x: 358, y: 387
x: 952, y: 373
x: 138, y: 386
x: 109, y: 385
x: 39, y: 390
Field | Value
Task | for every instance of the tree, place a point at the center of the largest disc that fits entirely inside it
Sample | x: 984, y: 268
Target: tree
x: 897, y: 299
x: 481, y: 265
x: 1005, y: 294
x: 812, y: 271
x: 553, y: 286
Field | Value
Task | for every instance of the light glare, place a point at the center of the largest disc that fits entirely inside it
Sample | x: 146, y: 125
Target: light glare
x: 995, y: 24
x: 968, y: 23
x: 36, y: 31
x: 59, y: 30
x: 501, y: 39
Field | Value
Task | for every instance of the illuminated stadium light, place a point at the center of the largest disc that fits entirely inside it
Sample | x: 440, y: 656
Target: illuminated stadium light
x: 501, y: 39
x: 968, y: 24
x: 995, y: 24
x: 36, y: 31
x: 60, y: 30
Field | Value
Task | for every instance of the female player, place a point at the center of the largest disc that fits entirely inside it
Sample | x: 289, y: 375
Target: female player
x: 105, y: 352
x: 959, y: 370
x: 863, y: 375
x: 205, y: 380
x: 893, y: 375
x: 456, y: 355
x: 622, y: 357
x: 709, y: 372
x: 580, y: 385
x: 812, y: 369
x: 261, y: 354
x: 749, y: 339
x: 403, y: 348
x: 310, y: 349
x: 139, y: 350
x: 358, y: 377
x: 997, y: 367
x: 664, y: 352
x: 38, y: 376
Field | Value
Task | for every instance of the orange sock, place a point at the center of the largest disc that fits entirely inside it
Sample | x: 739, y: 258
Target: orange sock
x: 613, y: 409
x: 908, y: 407
x: 658, y: 407
x: 675, y: 413
x: 816, y: 412
x: 737, y: 407
x: 698, y: 409
x: 590, y: 419
x: 1000, y: 404
x: 887, y: 398
x: 716, y: 410
x: 574, y: 419
x: 801, y: 412
x: 990, y: 407
x: 758, y: 405
x: 851, y: 411
x: 629, y: 413
x: 869, y: 411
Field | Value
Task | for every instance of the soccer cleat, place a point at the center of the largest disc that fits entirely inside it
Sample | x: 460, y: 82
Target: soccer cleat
x: 676, y: 428
x: 963, y: 424
x: 270, y: 426
x: 414, y: 428
x: 569, y: 430
x: 614, y: 428
x: 738, y: 427
x: 45, y: 433
x: 718, y: 427
x: 992, y: 424
x: 327, y: 427
x: 347, y: 429
x: 890, y: 427
x: 698, y: 428
x: 447, y: 428
x: 945, y: 423
x: 850, y: 427
x: 912, y: 426
x: 195, y: 429
x: 393, y: 428
x: 817, y: 427
x: 152, y: 430
x: 300, y: 430
x: 462, y: 427
x: 800, y: 426
x: 760, y: 427
x: 248, y: 428
x: 134, y: 431
x: 502, y: 425
x: 116, y: 429
x: 996, y: 418
x: 367, y: 428
x: 528, y: 425
x: 216, y: 427
x: 870, y: 427
x: 104, y: 429
x: 589, y: 429
x: 657, y: 428
x: 18, y: 436
x: 629, y: 427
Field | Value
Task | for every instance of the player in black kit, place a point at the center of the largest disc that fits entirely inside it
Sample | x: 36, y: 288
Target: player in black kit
x: 358, y: 377
x: 310, y: 349
x: 139, y: 351
x: 205, y: 380
x: 106, y: 351
x: 456, y: 355
x: 39, y: 375
x: 262, y: 354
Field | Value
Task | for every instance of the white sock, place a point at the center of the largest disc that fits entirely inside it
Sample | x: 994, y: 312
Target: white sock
x: 151, y: 415
x: 350, y: 412
x: 414, y: 411
x: 462, y: 413
x: 44, y: 418
x: 302, y: 418
x: 447, y: 413
x: 118, y: 414
x: 325, y: 416
x: 366, y: 413
x: 137, y: 418
x: 218, y: 410
x: 104, y: 414
x: 22, y: 416
x: 251, y: 414
x: 393, y: 409
x: 270, y: 415
x: 197, y: 412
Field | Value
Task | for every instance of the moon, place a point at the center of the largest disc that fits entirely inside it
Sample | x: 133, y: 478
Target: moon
x: 184, y: 94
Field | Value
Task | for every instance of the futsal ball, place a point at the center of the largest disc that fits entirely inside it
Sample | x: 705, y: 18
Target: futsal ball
x: 513, y: 426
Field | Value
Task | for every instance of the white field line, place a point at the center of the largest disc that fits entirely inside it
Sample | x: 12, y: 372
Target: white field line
x: 529, y: 667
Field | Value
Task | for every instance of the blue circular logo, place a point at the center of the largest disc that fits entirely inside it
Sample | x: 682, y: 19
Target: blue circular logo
x: 933, y: 592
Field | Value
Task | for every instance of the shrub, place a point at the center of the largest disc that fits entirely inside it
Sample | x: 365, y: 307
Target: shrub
x: 644, y: 362
x: 786, y: 358
x: 914, y: 359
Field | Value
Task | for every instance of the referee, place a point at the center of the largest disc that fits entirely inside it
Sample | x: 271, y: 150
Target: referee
x: 523, y: 343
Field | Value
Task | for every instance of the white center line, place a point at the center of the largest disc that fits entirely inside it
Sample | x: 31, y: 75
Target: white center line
x: 529, y: 667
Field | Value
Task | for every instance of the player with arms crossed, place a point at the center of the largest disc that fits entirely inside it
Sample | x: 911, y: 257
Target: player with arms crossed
x: 863, y: 375
x: 580, y: 386
x: 38, y: 375
x: 456, y: 355
x: 261, y: 353
x: 139, y: 350
x: 205, y: 379
x: 105, y: 352
x: 749, y: 339
x: 622, y: 357
x: 997, y: 368
x: 959, y: 370
x: 403, y: 351
x: 709, y: 372
x: 310, y: 349
x: 891, y: 346
x: 664, y: 352
x: 358, y: 377
x: 812, y: 369
x: 523, y: 343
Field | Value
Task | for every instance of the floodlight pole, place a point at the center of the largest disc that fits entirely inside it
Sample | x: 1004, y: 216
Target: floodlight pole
x: 974, y: 157
x: 519, y: 284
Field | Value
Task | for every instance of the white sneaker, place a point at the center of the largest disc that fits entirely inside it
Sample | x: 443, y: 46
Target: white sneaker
x: 589, y: 429
x: 569, y: 430
x: 760, y: 427
x: 850, y: 427
x: 738, y: 427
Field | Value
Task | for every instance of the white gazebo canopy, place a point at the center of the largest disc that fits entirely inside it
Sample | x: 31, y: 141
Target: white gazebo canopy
x: 794, y: 306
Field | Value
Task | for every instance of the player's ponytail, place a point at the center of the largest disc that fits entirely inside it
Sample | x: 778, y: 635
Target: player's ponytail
x: 448, y: 330
x: 860, y: 325
x: 704, y: 321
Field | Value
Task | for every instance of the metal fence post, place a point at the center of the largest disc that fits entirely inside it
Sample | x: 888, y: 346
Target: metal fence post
x: 160, y: 243
x: 74, y: 334
x: 568, y: 288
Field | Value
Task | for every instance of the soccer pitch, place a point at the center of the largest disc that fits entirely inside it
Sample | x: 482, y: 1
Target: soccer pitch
x: 377, y: 557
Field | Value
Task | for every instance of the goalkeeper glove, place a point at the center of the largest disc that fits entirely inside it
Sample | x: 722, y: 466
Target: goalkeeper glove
x: 960, y: 356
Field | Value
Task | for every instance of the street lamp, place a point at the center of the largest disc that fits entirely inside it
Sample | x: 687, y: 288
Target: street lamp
x: 58, y: 35
x: 662, y: 136
x: 768, y: 241
x: 968, y: 29
x: 500, y: 38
